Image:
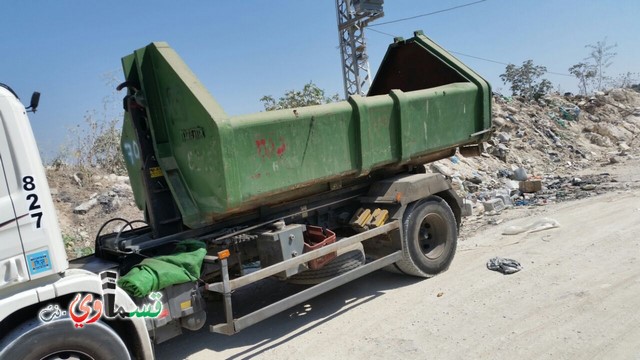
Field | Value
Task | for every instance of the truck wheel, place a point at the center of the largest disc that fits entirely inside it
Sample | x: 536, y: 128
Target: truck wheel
x: 59, y: 339
x: 348, y: 259
x: 429, y: 238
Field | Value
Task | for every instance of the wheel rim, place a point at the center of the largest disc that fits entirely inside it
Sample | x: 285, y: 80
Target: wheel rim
x: 432, y: 236
x: 68, y: 355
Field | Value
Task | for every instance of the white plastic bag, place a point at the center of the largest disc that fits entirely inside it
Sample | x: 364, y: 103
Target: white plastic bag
x: 540, y: 225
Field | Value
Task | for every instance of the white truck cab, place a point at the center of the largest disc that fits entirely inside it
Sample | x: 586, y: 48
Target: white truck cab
x: 31, y: 245
x: 34, y: 271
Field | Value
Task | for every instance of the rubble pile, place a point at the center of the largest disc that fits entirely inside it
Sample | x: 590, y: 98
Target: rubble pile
x: 538, y: 151
x: 84, y: 202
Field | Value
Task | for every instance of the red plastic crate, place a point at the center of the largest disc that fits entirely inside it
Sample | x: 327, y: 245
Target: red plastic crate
x: 315, y: 239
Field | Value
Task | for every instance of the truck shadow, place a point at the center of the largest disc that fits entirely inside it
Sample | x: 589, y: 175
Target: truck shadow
x: 283, y: 327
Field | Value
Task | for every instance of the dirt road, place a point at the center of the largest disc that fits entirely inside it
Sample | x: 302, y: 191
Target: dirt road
x: 577, y: 297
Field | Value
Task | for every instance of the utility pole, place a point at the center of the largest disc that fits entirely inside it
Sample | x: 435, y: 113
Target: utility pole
x: 353, y: 17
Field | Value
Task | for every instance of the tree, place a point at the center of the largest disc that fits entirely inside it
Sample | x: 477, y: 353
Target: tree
x: 601, y: 54
x: 585, y: 73
x: 311, y: 94
x: 625, y: 80
x: 96, y: 143
x: 525, y: 80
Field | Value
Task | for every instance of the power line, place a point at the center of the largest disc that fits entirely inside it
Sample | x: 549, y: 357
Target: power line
x: 479, y: 58
x: 427, y: 14
x: 381, y: 32
x: 455, y: 52
x: 472, y: 56
x: 502, y: 63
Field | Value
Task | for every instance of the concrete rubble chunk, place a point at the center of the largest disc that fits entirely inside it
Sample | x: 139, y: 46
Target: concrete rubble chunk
x: 500, y: 151
x: 504, y: 137
x: 457, y: 184
x: 624, y: 147
x: 85, y: 206
x: 599, y: 140
x: 467, y: 207
x: 511, y: 109
x: 506, y: 200
x: 511, y: 185
x: 441, y: 169
x: 618, y: 95
x: 499, y: 122
x: 519, y: 174
x: 495, y: 205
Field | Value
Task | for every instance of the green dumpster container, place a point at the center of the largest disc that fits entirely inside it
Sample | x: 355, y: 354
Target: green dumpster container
x: 422, y: 104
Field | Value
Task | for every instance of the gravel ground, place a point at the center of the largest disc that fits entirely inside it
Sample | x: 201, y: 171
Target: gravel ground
x: 576, y: 297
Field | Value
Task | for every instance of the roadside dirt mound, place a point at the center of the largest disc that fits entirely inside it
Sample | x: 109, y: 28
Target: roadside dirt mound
x: 568, y: 144
x: 85, y: 201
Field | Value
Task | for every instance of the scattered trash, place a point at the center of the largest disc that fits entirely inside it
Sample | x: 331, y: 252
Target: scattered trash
x: 470, y: 187
x: 570, y: 113
x: 540, y: 225
x: 505, y: 266
x: 504, y: 173
x: 475, y: 179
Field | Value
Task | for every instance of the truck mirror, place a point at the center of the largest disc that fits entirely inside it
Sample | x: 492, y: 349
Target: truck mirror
x: 35, y: 100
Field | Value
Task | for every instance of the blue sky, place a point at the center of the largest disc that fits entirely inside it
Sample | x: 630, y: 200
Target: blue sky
x: 242, y: 50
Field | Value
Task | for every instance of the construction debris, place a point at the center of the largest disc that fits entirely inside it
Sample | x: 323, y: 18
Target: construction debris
x: 539, y: 151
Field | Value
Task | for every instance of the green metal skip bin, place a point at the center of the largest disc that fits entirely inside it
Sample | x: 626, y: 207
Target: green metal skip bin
x: 422, y: 103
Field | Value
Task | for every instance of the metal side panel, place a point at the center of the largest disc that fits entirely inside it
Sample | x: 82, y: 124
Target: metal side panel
x: 277, y: 307
x: 284, y: 265
x: 226, y: 286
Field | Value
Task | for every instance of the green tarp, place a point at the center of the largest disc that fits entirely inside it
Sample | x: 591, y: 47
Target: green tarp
x: 157, y: 273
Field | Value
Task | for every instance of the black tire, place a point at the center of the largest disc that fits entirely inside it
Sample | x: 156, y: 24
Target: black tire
x: 59, y: 339
x: 348, y: 259
x: 429, y: 238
